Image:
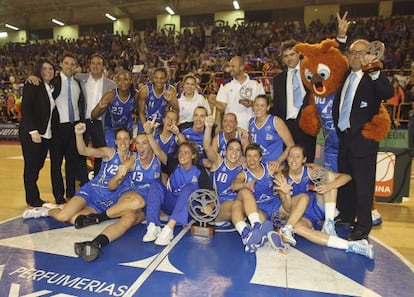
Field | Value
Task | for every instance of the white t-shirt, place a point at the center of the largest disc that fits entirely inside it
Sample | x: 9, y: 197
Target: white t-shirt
x: 231, y: 91
x: 187, y: 106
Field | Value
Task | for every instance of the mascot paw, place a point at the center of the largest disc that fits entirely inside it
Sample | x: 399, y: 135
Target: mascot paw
x: 309, y: 120
x: 379, y: 126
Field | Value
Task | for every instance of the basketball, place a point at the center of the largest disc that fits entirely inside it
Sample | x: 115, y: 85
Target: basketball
x: 385, y: 166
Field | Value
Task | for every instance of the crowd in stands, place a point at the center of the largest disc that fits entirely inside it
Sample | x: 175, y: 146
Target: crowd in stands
x: 194, y: 50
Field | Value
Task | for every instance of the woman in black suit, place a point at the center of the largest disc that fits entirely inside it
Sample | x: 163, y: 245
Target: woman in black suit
x: 35, y: 128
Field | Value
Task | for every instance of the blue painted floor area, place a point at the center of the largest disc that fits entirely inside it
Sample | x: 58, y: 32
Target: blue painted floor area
x: 36, y: 257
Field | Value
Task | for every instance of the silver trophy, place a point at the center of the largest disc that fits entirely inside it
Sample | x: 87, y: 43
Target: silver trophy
x: 246, y: 93
x: 372, y: 56
x: 318, y: 176
x: 203, y: 206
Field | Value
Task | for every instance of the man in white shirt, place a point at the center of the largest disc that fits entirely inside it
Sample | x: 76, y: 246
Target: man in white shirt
x: 94, y: 85
x: 285, y: 106
x: 237, y: 93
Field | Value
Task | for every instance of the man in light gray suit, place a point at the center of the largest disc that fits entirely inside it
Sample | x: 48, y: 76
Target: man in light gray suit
x: 94, y: 85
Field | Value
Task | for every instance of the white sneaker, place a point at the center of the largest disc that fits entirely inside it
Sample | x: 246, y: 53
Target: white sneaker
x: 52, y: 205
x: 35, y: 213
x: 287, y: 233
x: 165, y: 237
x: 152, y: 232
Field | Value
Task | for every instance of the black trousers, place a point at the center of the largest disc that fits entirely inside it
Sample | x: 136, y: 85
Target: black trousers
x: 63, y: 146
x: 34, y: 155
x: 355, y: 198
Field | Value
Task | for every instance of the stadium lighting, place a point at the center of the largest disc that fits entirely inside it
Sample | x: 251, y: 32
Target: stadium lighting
x: 236, y: 4
x: 12, y: 27
x: 169, y: 10
x: 57, y: 22
x: 112, y: 18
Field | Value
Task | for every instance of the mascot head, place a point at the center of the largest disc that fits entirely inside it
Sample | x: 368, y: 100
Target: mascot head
x: 323, y: 66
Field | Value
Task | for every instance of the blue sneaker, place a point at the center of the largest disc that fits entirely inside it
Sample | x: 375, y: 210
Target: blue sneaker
x: 376, y: 217
x: 265, y: 228
x: 251, y: 238
x: 361, y: 247
x: 276, y: 242
x: 329, y: 228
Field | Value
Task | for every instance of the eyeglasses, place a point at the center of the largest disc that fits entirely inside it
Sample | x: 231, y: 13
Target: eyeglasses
x: 354, y: 53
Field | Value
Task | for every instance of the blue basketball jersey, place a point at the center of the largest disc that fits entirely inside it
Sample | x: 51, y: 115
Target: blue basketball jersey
x: 155, y: 106
x: 120, y: 112
x: 263, y: 188
x: 222, y: 142
x: 222, y: 178
x: 181, y: 177
x: 303, y: 185
x: 267, y: 137
x: 197, y: 138
x: 169, y: 146
x: 108, y: 170
x: 141, y: 177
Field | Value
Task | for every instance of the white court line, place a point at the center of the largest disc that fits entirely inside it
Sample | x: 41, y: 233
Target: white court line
x: 157, y: 261
x: 395, y: 252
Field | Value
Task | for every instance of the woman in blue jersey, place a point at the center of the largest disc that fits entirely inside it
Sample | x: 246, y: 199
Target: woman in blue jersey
x: 229, y: 131
x: 270, y: 132
x: 169, y: 136
x: 321, y: 186
x: 223, y: 170
x: 185, y: 176
x: 119, y: 106
x: 259, y: 202
x: 141, y: 169
x: 95, y: 196
x: 156, y: 97
x: 194, y: 131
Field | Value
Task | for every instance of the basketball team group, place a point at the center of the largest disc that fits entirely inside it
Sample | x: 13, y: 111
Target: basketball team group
x: 241, y: 143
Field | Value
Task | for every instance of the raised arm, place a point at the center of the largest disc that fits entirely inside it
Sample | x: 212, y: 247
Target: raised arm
x: 102, y: 152
x: 142, y: 97
x: 102, y: 105
x: 149, y: 128
x: 221, y: 106
x: 170, y: 96
x: 210, y: 150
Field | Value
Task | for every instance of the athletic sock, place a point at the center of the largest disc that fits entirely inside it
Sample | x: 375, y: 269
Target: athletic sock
x: 337, y: 242
x: 254, y: 218
x: 102, y: 217
x: 240, y: 226
x: 101, y: 240
x: 330, y: 210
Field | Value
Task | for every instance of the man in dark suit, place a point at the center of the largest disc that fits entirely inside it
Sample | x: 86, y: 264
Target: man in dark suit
x: 70, y: 109
x: 357, y: 101
x: 94, y: 85
x: 288, y: 100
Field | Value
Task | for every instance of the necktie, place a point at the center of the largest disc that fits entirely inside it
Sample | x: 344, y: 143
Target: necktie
x: 297, y: 92
x: 343, y: 122
x: 70, y: 105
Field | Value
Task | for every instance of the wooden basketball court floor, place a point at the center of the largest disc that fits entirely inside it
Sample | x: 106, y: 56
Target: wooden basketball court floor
x: 37, y: 258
